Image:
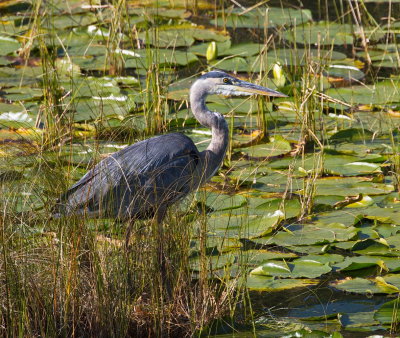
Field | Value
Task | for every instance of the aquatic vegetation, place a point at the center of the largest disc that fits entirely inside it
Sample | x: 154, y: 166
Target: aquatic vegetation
x: 298, y: 232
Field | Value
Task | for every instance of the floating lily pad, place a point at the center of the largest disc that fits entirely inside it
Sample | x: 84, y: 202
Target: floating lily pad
x: 263, y: 17
x: 257, y: 257
x: 243, y: 50
x: 171, y: 13
x: 321, y: 33
x: 8, y: 45
x: 296, y: 269
x: 220, y: 202
x: 90, y: 110
x: 180, y: 36
x: 300, y: 56
x: 67, y: 21
x: 364, y: 286
x: 382, y: 92
x: 271, y: 284
x: 90, y: 87
x: 277, y: 146
x: 363, y: 262
x: 22, y: 94
x: 161, y: 57
x: 201, y: 49
x: 234, y: 64
x: 20, y: 119
x: 346, y: 72
x: 351, y: 187
x: 242, y: 225
x: 314, y: 234
x: 212, y: 262
x: 389, y: 312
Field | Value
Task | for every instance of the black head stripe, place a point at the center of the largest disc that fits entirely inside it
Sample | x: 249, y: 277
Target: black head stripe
x: 215, y: 74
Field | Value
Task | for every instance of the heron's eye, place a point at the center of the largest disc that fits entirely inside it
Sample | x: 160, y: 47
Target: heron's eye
x: 226, y: 80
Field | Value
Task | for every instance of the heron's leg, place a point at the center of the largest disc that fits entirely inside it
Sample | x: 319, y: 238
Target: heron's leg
x: 162, y: 258
x: 128, y: 232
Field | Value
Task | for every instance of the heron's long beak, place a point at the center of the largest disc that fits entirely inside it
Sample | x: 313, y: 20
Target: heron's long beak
x: 251, y: 88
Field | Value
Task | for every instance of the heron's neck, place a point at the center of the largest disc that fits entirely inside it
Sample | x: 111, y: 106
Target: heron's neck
x: 213, y: 120
x: 215, y: 151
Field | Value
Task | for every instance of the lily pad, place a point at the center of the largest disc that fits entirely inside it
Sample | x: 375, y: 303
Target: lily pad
x: 382, y: 93
x: 180, y: 36
x: 299, y: 268
x: 364, y: 286
x: 161, y: 57
x: 277, y: 146
x: 271, y: 284
x: 22, y: 94
x: 263, y: 17
x: 242, y: 225
x: 389, y: 312
x: 351, y: 187
x: 300, y: 56
x: 8, y: 45
x: 321, y: 33
x: 211, y: 262
x: 290, y: 208
x: 314, y: 234
x: 220, y: 202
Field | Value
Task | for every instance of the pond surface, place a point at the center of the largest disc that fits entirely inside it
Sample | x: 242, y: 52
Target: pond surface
x: 306, y: 206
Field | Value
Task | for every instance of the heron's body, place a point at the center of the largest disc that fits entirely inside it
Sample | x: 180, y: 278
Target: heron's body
x: 133, y: 182
x: 142, y: 180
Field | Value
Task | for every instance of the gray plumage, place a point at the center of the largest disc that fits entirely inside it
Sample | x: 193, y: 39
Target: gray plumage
x: 143, y: 179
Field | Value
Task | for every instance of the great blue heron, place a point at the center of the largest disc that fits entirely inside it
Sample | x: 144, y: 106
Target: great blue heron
x: 143, y: 179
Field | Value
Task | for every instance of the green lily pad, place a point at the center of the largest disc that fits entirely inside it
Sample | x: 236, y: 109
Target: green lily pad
x: 290, y: 208
x: 220, y: 202
x: 321, y: 33
x: 212, y: 262
x: 201, y: 48
x: 383, y: 215
x: 22, y: 94
x: 180, y: 36
x: 382, y: 93
x: 314, y: 234
x: 271, y: 284
x: 363, y: 262
x: 18, y: 119
x: 8, y: 45
x: 300, y: 56
x: 351, y: 187
x: 323, y: 258
x: 235, y: 64
x: 296, y: 269
x: 257, y: 18
x: 257, y: 257
x: 351, y: 134
x: 346, y: 72
x: 243, y: 50
x: 388, y: 313
x: 160, y: 57
x: 89, y: 87
x: 216, y: 244
x: 66, y: 21
x: 92, y: 110
x: 242, y: 225
x: 371, y: 247
x: 277, y: 146
x: 363, y: 286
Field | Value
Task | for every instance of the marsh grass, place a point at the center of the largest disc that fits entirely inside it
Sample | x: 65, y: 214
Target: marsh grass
x: 76, y: 278
x: 73, y: 276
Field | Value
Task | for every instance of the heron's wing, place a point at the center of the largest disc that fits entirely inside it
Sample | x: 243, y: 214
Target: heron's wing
x: 141, y: 176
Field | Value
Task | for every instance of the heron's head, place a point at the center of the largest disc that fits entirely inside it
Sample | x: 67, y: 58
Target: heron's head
x: 219, y: 82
